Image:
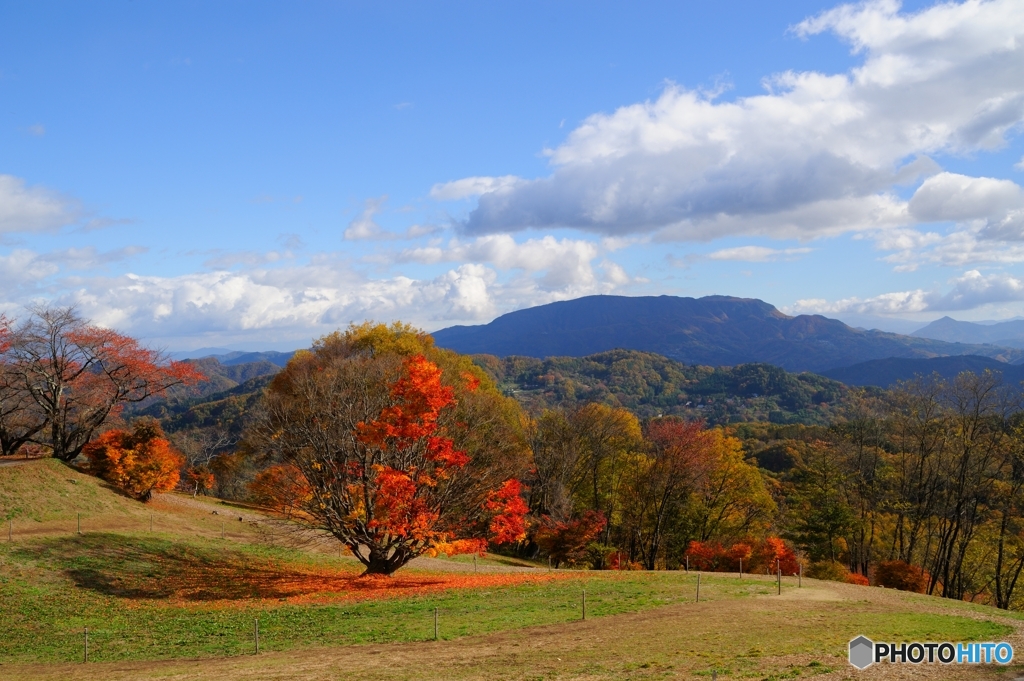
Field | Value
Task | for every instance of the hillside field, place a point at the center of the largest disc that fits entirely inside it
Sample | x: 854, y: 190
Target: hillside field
x: 180, y: 600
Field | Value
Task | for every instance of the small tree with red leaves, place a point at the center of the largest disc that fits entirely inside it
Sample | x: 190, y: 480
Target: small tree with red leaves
x: 567, y: 541
x: 139, y: 461
x: 404, y: 449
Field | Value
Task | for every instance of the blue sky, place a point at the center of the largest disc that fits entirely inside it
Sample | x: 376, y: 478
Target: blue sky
x: 253, y: 175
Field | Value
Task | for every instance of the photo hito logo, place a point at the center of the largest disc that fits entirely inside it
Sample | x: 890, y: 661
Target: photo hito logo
x: 864, y: 652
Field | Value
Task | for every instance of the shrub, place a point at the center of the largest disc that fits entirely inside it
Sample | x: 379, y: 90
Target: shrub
x: 858, y: 579
x: 829, y: 571
x: 898, y: 574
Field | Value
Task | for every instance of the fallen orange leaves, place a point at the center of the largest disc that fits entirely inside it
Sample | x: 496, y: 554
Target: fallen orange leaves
x: 227, y: 586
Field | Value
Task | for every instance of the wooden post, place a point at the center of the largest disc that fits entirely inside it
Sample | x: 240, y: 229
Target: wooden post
x: 584, y: 604
x: 150, y: 522
x: 256, y: 634
x: 474, y: 562
x: 714, y: 675
x: 435, y: 624
x: 779, y: 578
x: 86, y: 658
x: 741, y: 568
x: 687, y: 563
x: 698, y: 587
x: 79, y: 523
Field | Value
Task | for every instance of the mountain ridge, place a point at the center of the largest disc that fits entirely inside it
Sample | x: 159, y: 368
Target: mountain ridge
x: 713, y: 330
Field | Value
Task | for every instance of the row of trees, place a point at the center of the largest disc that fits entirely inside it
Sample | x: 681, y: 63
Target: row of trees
x: 654, y: 488
x: 929, y: 475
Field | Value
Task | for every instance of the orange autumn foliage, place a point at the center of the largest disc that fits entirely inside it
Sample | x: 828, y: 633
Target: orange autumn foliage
x: 281, y: 488
x: 393, y: 447
x: 139, y: 461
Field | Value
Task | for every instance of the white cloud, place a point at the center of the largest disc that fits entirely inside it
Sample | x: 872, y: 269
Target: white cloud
x: 32, y: 209
x: 566, y: 264
x: 471, y: 186
x: 756, y: 253
x: 969, y: 291
x: 363, y: 226
x: 817, y: 155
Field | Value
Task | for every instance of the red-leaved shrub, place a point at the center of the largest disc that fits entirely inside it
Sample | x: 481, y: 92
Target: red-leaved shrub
x: 898, y: 574
x: 858, y: 579
x: 766, y: 555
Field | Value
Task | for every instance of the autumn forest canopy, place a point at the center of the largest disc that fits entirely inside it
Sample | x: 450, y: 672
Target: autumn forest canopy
x: 397, y: 448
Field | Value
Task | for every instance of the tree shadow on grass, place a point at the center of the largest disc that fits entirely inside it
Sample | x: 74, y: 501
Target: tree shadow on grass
x: 159, y: 569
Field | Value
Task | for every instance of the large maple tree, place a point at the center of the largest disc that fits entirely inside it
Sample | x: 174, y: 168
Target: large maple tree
x: 395, y: 447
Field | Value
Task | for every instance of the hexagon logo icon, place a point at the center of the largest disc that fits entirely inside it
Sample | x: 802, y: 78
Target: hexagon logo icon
x: 862, y: 652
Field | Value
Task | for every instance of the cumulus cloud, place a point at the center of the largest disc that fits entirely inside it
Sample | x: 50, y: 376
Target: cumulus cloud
x: 817, y: 154
x: 32, y: 209
x: 971, y: 290
x: 301, y: 302
x: 564, y: 264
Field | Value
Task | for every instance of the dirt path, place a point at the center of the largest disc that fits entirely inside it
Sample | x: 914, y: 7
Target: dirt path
x: 759, y: 638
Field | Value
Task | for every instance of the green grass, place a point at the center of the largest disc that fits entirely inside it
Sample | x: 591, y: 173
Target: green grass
x: 53, y: 588
x: 126, y: 585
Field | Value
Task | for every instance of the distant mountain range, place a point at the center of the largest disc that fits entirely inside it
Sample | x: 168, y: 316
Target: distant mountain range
x: 234, y: 357
x: 884, y: 373
x: 1008, y: 333
x: 715, y: 331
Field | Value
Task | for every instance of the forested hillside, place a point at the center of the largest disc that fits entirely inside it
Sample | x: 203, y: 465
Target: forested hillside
x: 649, y: 384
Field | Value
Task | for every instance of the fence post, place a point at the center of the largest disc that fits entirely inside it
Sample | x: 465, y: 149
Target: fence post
x: 150, y: 522
x: 435, y: 624
x: 741, y: 568
x: 86, y: 657
x: 779, y: 578
x: 256, y: 634
x: 584, y: 604
x: 688, y: 564
x: 79, y: 523
x: 698, y: 587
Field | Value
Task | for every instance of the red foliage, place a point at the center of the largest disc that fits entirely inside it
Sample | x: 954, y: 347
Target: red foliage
x: 773, y: 553
x: 566, y: 541
x: 858, y: 579
x: 508, y: 524
x: 139, y: 461
x: 768, y: 555
x: 898, y: 574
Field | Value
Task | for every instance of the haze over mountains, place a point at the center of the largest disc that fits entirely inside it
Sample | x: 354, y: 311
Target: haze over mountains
x: 714, y: 330
x: 1009, y: 333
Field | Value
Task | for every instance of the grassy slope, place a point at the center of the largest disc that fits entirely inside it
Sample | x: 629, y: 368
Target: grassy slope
x: 183, y: 592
